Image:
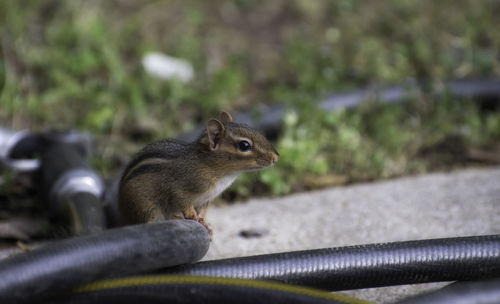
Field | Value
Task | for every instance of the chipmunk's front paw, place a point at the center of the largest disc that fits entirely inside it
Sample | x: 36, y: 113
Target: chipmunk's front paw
x: 191, y: 214
x: 207, y: 226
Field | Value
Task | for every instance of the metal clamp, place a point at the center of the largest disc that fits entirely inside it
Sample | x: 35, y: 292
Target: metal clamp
x: 8, y: 140
x: 76, y: 181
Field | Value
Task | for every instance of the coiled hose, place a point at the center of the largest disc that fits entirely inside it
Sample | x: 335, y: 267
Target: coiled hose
x: 141, y: 248
x: 375, y: 265
x: 189, y: 290
x: 115, y: 252
x: 464, y: 258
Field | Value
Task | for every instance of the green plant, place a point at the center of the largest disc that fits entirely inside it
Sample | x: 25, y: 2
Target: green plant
x: 77, y: 64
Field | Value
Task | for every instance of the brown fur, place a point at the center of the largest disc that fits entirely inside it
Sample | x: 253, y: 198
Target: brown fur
x: 171, y: 179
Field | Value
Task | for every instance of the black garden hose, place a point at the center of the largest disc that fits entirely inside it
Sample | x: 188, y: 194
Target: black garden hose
x: 189, y: 290
x: 270, y: 116
x: 375, y: 265
x: 464, y: 258
x: 115, y: 252
x: 135, y: 249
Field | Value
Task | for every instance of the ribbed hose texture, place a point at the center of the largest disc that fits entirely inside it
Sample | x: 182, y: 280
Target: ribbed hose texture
x: 375, y: 265
x: 196, y: 290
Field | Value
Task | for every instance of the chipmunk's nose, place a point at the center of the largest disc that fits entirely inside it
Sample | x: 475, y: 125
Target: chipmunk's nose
x: 275, y: 157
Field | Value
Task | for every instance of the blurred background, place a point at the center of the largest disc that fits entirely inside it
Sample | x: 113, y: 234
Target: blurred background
x: 81, y: 65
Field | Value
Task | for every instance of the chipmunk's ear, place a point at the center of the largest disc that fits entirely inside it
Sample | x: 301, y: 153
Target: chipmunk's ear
x: 215, y: 130
x: 225, y: 117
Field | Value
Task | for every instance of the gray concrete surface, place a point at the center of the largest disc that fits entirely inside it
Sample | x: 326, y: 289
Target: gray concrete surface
x: 460, y: 203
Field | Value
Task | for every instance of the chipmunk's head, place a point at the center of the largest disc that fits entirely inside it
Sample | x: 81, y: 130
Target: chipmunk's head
x: 240, y: 147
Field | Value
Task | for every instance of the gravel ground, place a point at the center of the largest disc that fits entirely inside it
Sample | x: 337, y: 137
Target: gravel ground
x: 453, y: 204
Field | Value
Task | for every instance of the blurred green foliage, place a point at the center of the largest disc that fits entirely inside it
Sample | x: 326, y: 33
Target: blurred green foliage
x: 77, y: 64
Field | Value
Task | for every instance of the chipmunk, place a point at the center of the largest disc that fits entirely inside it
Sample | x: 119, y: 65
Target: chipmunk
x: 170, y: 179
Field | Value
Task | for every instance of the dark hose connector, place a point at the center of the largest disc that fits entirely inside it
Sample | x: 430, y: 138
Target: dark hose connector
x: 122, y: 251
x: 375, y: 265
x: 72, y: 189
x: 19, y: 149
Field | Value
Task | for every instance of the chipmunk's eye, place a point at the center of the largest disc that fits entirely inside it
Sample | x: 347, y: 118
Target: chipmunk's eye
x: 244, y: 146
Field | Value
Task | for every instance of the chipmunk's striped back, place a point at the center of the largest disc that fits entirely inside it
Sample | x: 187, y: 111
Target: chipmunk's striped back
x: 150, y: 158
